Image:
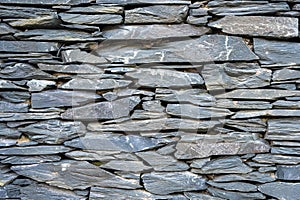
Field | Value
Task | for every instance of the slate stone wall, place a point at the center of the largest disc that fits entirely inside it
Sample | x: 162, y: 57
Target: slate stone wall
x: 149, y: 99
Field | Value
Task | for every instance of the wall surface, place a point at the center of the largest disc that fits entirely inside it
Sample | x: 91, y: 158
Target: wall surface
x: 149, y: 99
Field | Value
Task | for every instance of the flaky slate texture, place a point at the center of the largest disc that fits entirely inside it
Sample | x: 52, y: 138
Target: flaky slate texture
x: 149, y: 99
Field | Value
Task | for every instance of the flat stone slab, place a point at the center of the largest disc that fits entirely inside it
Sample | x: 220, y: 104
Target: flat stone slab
x: 235, y: 75
x: 27, y: 46
x: 154, y: 31
x: 262, y: 26
x: 46, y: 2
x: 156, y: 14
x: 138, y: 2
x: 281, y: 190
x: 201, y: 146
x: 170, y: 182
x: 252, y: 176
x: 277, y: 52
x: 34, y: 150
x: 286, y: 172
x: 206, y: 49
x: 72, y: 175
x: 283, y: 129
x: 96, y: 19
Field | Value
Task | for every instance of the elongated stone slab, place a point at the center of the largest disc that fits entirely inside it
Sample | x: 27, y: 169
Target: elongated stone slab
x: 62, y: 98
x: 78, y: 56
x: 283, y: 129
x: 235, y: 186
x: 53, y: 131
x: 27, y: 46
x: 46, y: 2
x: 91, y: 19
x: 156, y: 14
x: 223, y: 8
x: 235, y: 75
x: 137, y: 2
x: 99, y: 9
x: 103, y: 110
x: 279, y: 27
x: 8, y: 107
x: 271, y: 113
x: 147, y: 32
x: 258, y: 94
x: 235, y: 195
x: 200, y: 146
x: 277, y: 52
x: 196, y: 112
x: 165, y: 78
x: 72, y: 175
x: 243, y: 105
x: 34, y: 150
x: 155, y: 125
x: 229, y: 165
x: 44, y: 191
x: 6, y: 29
x: 252, y: 176
x: 276, y: 159
x: 170, y: 182
x: 6, y: 117
x: 71, y: 68
x: 206, y: 48
x: 162, y: 162
x: 126, y: 165
x: 114, y: 142
x: 56, y: 35
x: 281, y: 190
x: 23, y: 160
x: 255, y: 125
x: 285, y: 74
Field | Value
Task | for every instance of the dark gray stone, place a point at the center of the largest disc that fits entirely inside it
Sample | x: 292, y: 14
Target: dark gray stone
x: 44, y: 191
x: 6, y: 175
x: 34, y: 150
x: 162, y: 162
x: 5, y: 84
x: 200, y: 196
x: 278, y: 27
x: 78, y: 56
x: 198, y: 21
x: 156, y: 14
x: 14, y: 11
x: 56, y: 35
x: 283, y: 129
x: 165, y: 78
x: 206, y: 48
x: 290, y: 173
x: 196, y: 112
x: 6, y: 117
x: 243, y: 105
x: 138, y: 2
x: 252, y: 176
x: 277, y: 52
x: 150, y: 32
x: 103, y: 110
x: 285, y: 74
x: 248, y: 7
x: 8, y: 107
x: 200, y: 146
x: 72, y: 68
x: 72, y: 175
x: 235, y: 75
x: 94, y: 84
x: 194, y: 96
x: 286, y: 104
x: 170, y: 182
x: 27, y: 46
x: 95, y: 19
x: 53, y: 131
x: 155, y: 125
x: 276, y: 159
x: 99, y: 9
x: 235, y: 195
x: 62, y: 98
x: 46, y: 2
x: 22, y: 71
x: 258, y: 94
x: 126, y: 166
x: 281, y: 190
x: 23, y: 160
x: 115, y: 142
x: 234, y: 186
x: 227, y: 165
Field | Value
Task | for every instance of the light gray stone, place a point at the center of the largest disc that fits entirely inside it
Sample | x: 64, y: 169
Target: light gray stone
x: 281, y: 190
x: 283, y: 129
x: 142, y: 2
x: 276, y: 159
x: 34, y: 150
x: 126, y: 166
x: 266, y: 113
x: 170, y: 182
x: 235, y: 75
x: 72, y: 68
x: 39, y: 85
x: 23, y: 160
x: 288, y: 172
x: 96, y: 19
x: 252, y: 176
x: 234, y: 186
x: 235, y: 195
x: 27, y: 46
x: 243, y: 105
x: 6, y: 117
x: 78, y: 56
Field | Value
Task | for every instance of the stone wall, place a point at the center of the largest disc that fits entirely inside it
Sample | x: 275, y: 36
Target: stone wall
x: 149, y: 99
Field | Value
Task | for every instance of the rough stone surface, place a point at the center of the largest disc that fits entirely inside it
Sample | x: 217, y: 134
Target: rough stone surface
x: 27, y: 46
x: 169, y: 182
x: 281, y: 27
x: 91, y: 19
x: 281, y: 190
